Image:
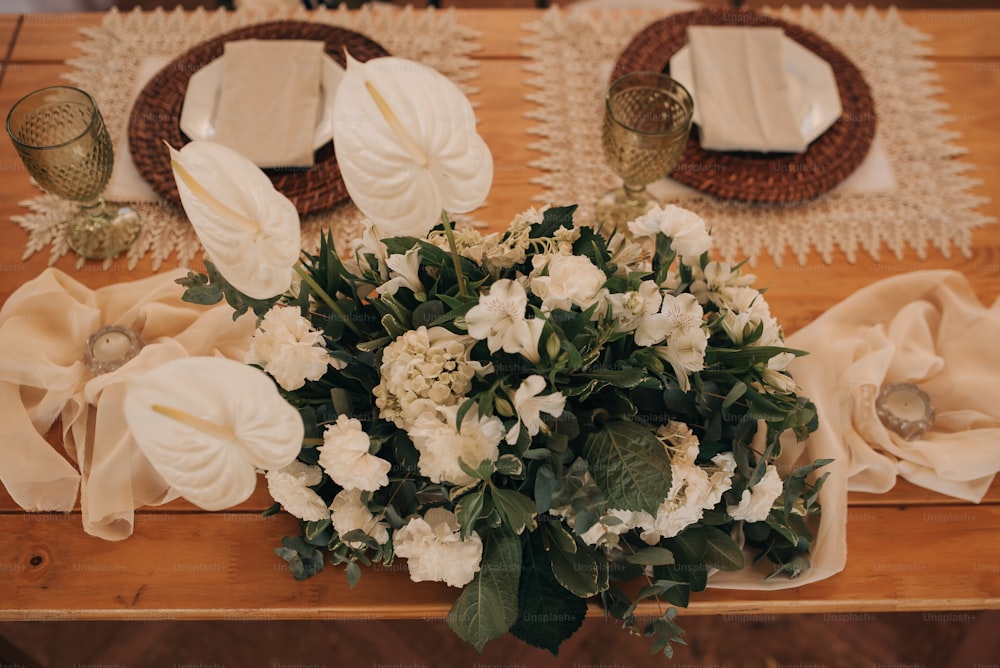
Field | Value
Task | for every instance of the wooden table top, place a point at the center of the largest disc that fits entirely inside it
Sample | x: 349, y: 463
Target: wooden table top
x: 909, y: 549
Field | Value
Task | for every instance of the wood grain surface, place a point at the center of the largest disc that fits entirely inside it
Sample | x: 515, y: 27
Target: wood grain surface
x: 910, y: 549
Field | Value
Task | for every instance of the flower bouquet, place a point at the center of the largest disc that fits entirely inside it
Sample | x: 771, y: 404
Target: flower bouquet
x: 540, y: 418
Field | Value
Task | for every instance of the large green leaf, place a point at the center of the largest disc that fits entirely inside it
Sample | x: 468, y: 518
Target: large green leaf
x: 584, y: 572
x: 629, y: 464
x: 487, y: 607
x: 547, y: 613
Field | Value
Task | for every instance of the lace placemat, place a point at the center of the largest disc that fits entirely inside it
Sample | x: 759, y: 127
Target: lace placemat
x: 123, y: 40
x: 572, y: 54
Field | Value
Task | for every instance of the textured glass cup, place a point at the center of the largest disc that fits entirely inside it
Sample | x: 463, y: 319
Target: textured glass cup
x: 60, y: 135
x: 647, y: 119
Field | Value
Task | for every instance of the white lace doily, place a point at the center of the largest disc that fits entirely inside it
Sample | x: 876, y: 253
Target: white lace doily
x: 572, y: 52
x: 114, y: 50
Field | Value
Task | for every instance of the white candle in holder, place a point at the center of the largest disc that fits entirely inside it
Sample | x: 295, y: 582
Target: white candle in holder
x: 906, y: 409
x: 110, y: 347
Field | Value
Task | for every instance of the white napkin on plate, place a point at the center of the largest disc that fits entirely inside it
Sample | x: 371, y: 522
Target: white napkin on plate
x: 269, y: 100
x: 745, y: 100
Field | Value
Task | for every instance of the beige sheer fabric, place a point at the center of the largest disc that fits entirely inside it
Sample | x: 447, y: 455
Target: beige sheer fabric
x: 44, y: 327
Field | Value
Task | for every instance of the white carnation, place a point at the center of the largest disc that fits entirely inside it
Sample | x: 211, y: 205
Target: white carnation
x: 345, y: 458
x: 688, y: 235
x: 755, y: 504
x: 435, y: 551
x: 349, y: 513
x: 568, y: 280
x: 290, y: 485
x: 441, y: 444
x: 287, y: 347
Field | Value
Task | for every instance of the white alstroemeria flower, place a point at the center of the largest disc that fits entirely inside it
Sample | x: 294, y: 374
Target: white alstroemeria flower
x: 345, y: 458
x: 406, y: 143
x: 208, y: 423
x: 499, y: 317
x: 755, y: 503
x: 774, y: 374
x: 349, y: 513
x: 249, y: 229
x: 290, y: 485
x: 529, y: 406
x: 434, y: 549
x: 287, y: 347
x: 678, y: 314
x: 688, y: 235
x: 405, y: 273
x: 685, y: 352
x: 441, y: 443
x: 370, y: 243
x: 569, y: 280
x: 630, y: 308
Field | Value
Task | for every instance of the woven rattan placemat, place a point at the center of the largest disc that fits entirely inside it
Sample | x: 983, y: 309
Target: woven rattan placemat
x: 758, y: 177
x: 155, y: 116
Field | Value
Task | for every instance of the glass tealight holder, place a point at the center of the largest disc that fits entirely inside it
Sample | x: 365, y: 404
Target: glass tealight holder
x: 905, y: 409
x: 110, y: 347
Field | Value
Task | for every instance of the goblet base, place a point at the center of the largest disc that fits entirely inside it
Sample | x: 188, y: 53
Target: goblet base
x: 616, y: 208
x: 103, y: 235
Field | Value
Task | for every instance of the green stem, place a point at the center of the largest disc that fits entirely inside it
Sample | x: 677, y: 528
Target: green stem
x: 455, y: 258
x: 327, y: 299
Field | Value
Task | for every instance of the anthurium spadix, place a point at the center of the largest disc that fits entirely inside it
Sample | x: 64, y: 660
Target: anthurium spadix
x: 406, y: 142
x: 207, y: 424
x: 249, y: 229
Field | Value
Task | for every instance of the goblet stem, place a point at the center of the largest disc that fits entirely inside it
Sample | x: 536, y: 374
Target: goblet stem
x: 100, y: 231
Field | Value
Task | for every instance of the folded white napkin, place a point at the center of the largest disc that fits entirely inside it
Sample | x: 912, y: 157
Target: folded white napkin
x: 270, y: 99
x: 44, y: 327
x: 744, y: 98
x: 925, y: 328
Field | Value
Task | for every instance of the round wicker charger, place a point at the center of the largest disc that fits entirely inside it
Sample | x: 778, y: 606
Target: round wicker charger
x: 759, y: 177
x: 155, y: 116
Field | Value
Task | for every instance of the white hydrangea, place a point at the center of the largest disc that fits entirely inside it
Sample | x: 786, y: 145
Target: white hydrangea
x: 687, y: 231
x: 422, y: 370
x: 348, y: 512
x: 345, y: 458
x: 435, y: 551
x: 287, y: 347
x: 290, y: 485
x: 755, y: 503
x: 564, y: 281
x: 441, y: 444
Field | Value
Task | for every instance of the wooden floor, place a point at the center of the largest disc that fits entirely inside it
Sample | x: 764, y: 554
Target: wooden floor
x: 914, y: 640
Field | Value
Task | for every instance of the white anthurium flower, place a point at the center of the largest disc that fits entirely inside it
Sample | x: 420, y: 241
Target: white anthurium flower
x: 529, y: 406
x: 250, y: 230
x: 499, y: 317
x: 208, y: 423
x: 406, y: 142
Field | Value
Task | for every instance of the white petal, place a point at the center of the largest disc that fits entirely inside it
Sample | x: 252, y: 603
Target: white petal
x: 256, y: 258
x: 402, y: 172
x: 212, y: 472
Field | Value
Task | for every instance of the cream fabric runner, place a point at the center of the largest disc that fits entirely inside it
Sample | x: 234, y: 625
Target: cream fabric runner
x: 572, y: 53
x: 108, y: 70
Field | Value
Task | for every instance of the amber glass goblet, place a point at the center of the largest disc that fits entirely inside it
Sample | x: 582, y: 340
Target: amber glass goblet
x: 647, y: 119
x: 61, y: 138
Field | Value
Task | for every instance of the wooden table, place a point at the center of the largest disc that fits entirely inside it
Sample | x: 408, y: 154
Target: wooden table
x: 909, y: 549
